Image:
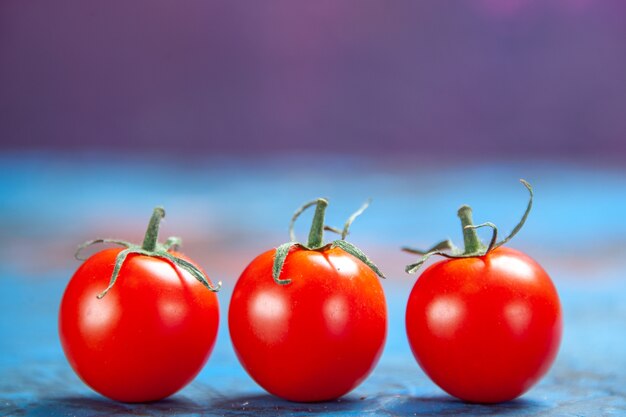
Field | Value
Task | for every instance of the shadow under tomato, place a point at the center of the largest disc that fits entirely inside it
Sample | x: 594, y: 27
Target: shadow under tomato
x: 258, y: 405
x: 261, y: 405
x: 266, y: 404
x: 99, y: 406
x: 447, y: 406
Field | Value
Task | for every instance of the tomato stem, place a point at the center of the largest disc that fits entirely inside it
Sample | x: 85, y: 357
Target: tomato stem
x: 152, y: 233
x: 470, y: 237
x: 316, y: 239
x: 150, y: 247
x: 473, y: 245
x: 316, y: 234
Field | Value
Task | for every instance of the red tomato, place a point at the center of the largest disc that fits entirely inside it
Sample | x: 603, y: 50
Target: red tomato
x: 315, y: 338
x: 485, y: 325
x: 485, y: 329
x: 148, y: 337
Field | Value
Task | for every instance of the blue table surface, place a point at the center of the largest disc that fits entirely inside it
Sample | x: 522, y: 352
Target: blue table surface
x: 228, y: 210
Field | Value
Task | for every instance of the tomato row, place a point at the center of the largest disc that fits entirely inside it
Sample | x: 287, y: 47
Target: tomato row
x: 308, y: 322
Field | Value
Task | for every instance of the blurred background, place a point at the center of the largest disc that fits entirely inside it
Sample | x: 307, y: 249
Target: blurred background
x: 232, y: 114
x: 515, y: 78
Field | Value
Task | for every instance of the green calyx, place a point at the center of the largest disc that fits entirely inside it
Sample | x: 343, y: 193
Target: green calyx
x: 150, y: 247
x: 473, y: 245
x: 316, y: 239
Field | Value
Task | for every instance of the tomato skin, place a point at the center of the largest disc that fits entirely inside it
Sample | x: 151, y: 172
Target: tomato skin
x: 485, y: 329
x: 316, y: 338
x: 148, y: 337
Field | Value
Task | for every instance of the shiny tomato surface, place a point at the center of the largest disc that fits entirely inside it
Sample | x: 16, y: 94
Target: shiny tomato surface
x: 315, y: 338
x: 148, y: 337
x: 485, y: 329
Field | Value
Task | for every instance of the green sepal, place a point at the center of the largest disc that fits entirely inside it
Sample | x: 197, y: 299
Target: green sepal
x: 346, y: 227
x: 443, y: 245
x: 96, y: 241
x: 412, y: 268
x: 357, y: 253
x: 524, y: 217
x: 280, y: 256
x: 492, y: 241
x: 173, y: 243
x: 315, y: 241
x: 119, y: 261
x: 333, y: 229
x: 189, y: 267
x: 437, y: 249
x: 150, y: 247
x: 476, y: 248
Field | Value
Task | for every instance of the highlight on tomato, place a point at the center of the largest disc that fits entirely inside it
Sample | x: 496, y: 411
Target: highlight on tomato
x: 484, y: 324
x: 308, y: 321
x: 138, y: 323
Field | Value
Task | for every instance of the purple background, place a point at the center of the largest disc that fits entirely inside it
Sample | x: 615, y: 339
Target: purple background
x: 513, y: 78
x: 231, y: 114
